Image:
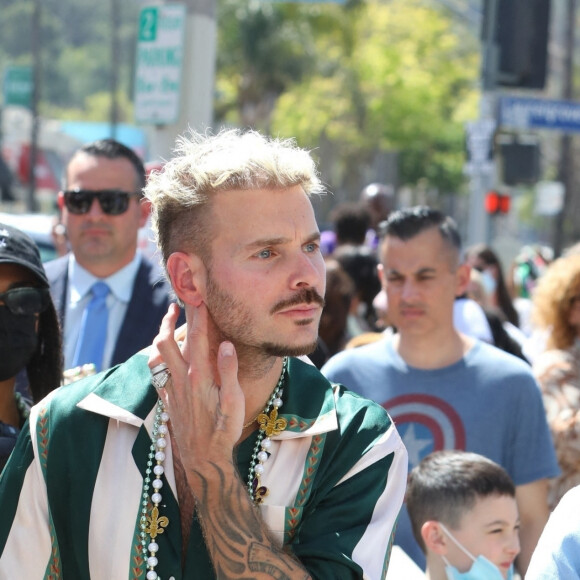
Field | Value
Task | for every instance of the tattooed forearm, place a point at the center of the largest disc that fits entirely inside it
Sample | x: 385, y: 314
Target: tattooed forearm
x: 237, y: 540
x: 260, y: 560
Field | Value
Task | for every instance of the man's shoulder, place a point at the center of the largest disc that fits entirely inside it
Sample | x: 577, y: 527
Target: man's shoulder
x: 56, y: 268
x: 487, y: 367
x: 496, y: 360
x: 369, y: 354
x: 151, y: 286
x: 353, y: 407
x: 151, y: 271
x: 124, y: 386
x: 368, y: 370
x: 323, y: 393
x: 151, y: 276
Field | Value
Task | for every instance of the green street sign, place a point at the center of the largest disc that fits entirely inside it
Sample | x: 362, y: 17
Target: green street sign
x: 158, y: 70
x: 148, y: 19
x: 17, y: 86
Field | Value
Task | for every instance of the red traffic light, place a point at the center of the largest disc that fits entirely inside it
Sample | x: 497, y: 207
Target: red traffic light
x: 497, y: 202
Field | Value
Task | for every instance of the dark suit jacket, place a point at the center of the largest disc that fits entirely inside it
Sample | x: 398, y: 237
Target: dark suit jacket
x: 149, y: 303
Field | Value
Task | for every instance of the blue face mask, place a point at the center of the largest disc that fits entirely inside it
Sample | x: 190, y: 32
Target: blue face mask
x: 482, y: 568
x: 489, y: 283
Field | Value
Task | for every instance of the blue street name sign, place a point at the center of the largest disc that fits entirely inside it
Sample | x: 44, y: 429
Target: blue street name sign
x: 527, y: 113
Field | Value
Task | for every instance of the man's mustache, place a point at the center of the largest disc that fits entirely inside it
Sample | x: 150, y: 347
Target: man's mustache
x: 304, y: 296
x: 90, y: 225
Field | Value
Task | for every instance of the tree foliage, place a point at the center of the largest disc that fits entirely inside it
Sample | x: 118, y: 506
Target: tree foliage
x: 75, y: 40
x: 391, y: 76
x: 365, y: 77
x: 262, y: 52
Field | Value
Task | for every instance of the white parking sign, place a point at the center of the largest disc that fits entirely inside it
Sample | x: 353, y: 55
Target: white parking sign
x: 159, y: 64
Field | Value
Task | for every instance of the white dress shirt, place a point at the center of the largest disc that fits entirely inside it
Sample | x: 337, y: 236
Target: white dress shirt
x: 80, y: 282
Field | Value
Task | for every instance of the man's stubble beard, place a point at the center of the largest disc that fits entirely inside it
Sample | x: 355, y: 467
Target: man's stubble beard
x: 234, y: 322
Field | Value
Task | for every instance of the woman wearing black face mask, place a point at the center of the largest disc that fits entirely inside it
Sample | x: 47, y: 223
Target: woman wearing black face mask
x: 30, y: 339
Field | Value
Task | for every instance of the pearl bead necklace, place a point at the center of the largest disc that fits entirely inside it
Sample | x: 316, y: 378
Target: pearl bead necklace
x: 269, y: 425
x: 152, y: 526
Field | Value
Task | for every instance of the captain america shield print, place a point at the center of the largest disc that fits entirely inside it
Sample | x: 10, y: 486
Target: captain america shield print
x: 426, y: 423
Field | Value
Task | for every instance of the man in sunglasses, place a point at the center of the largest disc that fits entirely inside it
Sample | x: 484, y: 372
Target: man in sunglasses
x: 110, y: 298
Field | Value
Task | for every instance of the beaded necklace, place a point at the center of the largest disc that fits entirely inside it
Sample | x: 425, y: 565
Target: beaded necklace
x: 270, y: 425
x: 153, y: 525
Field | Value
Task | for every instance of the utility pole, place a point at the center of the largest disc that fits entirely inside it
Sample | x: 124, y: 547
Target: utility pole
x: 566, y: 166
x: 31, y: 204
x: 197, y: 88
x: 480, y: 134
x: 114, y: 76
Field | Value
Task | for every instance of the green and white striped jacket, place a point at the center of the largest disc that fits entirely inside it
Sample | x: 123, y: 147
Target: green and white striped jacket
x: 70, y: 496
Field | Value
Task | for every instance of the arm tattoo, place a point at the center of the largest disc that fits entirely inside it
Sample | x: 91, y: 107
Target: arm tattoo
x: 237, y: 541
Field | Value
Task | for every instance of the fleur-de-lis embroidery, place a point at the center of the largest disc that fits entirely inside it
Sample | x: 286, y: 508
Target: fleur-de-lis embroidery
x: 155, y: 524
x: 271, y: 424
x: 260, y: 491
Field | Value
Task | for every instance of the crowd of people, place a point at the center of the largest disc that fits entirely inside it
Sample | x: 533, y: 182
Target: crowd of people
x: 285, y: 402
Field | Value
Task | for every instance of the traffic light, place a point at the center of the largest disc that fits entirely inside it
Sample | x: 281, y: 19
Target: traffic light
x: 520, y: 162
x: 496, y: 203
x: 520, y: 32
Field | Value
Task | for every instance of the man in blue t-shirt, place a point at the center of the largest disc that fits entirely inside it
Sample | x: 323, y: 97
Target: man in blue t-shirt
x: 443, y: 389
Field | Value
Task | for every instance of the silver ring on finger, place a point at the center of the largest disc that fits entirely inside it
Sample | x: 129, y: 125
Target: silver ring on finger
x: 159, y: 368
x: 161, y: 375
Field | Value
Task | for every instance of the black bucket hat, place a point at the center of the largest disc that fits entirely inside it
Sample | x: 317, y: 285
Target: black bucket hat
x: 16, y: 247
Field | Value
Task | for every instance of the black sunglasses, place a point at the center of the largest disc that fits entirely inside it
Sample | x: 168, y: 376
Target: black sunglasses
x: 26, y: 301
x: 112, y: 201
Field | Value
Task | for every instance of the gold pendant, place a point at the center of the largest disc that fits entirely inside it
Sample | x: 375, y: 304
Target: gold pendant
x: 271, y: 424
x: 156, y: 523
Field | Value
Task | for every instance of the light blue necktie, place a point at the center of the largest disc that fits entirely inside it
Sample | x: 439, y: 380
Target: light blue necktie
x: 93, y: 333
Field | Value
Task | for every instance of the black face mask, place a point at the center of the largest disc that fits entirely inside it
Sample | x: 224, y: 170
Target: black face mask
x: 18, y: 342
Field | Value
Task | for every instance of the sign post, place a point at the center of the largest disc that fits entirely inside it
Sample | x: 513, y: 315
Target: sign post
x: 159, y: 64
x: 481, y: 169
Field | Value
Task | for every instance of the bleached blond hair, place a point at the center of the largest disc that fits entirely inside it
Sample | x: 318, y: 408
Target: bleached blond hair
x: 181, y: 192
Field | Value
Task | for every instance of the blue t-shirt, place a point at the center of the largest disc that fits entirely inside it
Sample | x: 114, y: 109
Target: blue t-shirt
x: 488, y: 402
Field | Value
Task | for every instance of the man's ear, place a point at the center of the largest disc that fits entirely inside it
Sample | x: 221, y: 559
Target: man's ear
x: 463, y: 275
x: 381, y: 273
x: 187, y: 273
x: 60, y: 200
x: 435, y: 539
x: 145, y: 206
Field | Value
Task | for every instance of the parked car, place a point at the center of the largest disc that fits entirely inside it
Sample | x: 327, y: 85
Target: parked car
x: 38, y: 226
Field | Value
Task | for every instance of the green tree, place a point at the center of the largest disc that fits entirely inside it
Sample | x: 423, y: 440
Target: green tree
x: 391, y: 76
x: 263, y: 50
